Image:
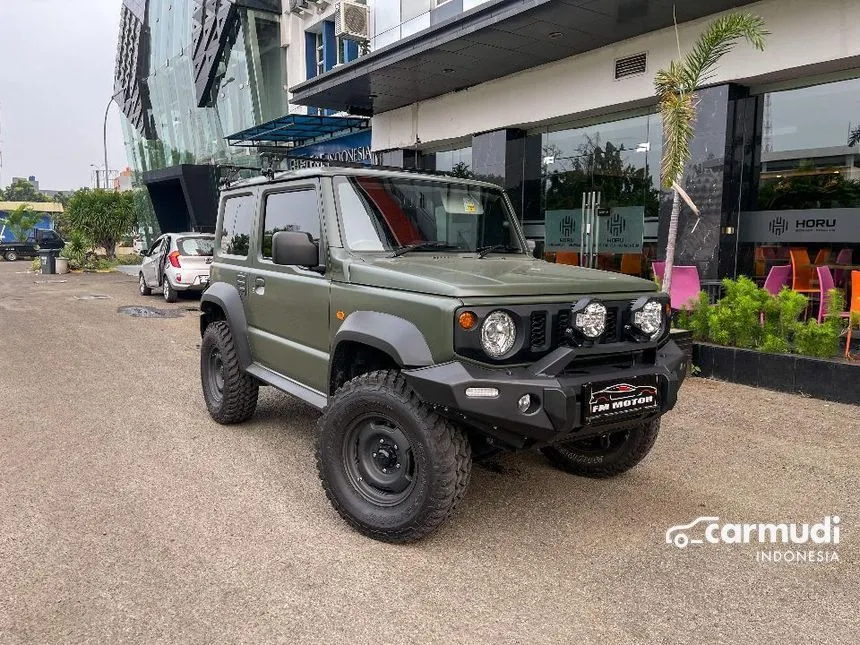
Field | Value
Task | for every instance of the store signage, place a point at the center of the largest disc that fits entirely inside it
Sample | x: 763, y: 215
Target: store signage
x: 352, y: 148
x: 563, y: 230
x: 814, y: 225
x: 621, y: 229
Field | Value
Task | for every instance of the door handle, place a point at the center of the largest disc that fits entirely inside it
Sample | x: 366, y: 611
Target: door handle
x: 260, y: 286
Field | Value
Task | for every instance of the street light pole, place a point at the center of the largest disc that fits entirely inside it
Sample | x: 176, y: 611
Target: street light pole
x: 104, y: 140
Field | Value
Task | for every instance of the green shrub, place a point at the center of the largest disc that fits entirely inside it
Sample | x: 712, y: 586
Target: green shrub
x: 813, y: 339
x: 36, y: 265
x: 749, y: 317
x: 130, y: 258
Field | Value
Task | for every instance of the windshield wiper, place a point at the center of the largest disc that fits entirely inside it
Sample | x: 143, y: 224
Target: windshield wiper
x: 423, y: 246
x: 484, y: 251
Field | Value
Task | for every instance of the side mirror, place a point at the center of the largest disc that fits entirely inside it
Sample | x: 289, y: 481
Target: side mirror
x: 295, y: 248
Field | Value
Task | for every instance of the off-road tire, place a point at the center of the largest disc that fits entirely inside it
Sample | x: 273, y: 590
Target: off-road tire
x: 236, y: 399
x: 11, y: 256
x: 170, y: 294
x: 440, y: 451
x: 573, y: 457
x: 141, y: 286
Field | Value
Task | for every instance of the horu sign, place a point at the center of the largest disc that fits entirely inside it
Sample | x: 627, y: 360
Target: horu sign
x: 563, y: 229
x: 813, y: 225
x: 622, y: 231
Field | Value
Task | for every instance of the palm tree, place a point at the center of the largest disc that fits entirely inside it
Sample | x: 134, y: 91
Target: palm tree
x: 676, y: 91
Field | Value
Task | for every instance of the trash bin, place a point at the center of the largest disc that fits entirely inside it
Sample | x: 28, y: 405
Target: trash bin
x: 48, y: 259
x: 62, y: 265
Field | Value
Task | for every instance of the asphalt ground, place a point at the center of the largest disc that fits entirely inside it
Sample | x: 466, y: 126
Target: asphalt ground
x: 127, y: 515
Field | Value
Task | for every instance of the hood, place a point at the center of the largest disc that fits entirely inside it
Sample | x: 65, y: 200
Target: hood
x: 462, y: 277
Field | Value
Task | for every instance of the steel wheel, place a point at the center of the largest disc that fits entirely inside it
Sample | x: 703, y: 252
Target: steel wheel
x: 215, y: 374
x: 378, y: 460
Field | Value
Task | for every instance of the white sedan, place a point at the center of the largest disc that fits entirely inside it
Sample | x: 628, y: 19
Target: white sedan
x: 177, y: 262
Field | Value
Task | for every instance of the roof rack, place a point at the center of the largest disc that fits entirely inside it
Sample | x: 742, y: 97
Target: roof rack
x: 336, y: 163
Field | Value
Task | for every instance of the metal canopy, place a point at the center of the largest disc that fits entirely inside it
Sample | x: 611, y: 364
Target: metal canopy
x: 490, y: 41
x: 296, y: 129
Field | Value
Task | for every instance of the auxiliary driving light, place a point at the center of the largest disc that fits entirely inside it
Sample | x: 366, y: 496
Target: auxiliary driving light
x: 589, y: 318
x: 648, y: 317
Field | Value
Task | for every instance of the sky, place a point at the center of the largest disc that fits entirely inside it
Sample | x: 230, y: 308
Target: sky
x: 56, y: 78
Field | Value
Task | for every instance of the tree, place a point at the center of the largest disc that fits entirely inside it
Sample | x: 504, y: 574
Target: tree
x: 23, y: 191
x: 102, y: 216
x: 676, y: 90
x: 22, y: 221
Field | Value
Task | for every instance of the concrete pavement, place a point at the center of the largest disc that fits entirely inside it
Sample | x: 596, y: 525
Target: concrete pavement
x: 127, y: 515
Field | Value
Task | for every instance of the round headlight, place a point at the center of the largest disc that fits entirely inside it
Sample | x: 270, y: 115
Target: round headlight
x: 498, y: 334
x: 591, y: 321
x: 649, y: 319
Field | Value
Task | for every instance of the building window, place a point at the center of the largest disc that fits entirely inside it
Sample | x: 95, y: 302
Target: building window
x: 457, y: 162
x: 319, y: 53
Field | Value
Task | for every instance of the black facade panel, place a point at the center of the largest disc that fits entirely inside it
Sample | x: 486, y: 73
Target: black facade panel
x: 185, y: 198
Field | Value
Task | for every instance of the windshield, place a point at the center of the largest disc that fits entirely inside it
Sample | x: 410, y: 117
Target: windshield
x: 385, y: 214
x: 196, y: 245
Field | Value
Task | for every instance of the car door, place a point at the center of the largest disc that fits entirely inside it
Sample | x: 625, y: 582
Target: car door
x: 148, y: 266
x: 288, y: 306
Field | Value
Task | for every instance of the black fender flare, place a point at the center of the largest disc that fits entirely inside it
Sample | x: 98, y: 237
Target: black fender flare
x: 226, y: 297
x: 396, y: 336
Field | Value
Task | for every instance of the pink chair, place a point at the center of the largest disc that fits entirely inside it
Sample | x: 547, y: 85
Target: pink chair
x: 839, y: 275
x: 825, y: 281
x: 685, y: 286
x: 779, y: 277
x: 659, y: 268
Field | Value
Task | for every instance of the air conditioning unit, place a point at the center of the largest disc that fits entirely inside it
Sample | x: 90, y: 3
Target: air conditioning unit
x: 298, y: 6
x: 352, y: 21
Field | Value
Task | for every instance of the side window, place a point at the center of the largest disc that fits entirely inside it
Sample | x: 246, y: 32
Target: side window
x: 236, y: 226
x: 297, y: 210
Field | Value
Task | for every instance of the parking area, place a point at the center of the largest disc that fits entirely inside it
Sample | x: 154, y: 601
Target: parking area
x: 127, y: 515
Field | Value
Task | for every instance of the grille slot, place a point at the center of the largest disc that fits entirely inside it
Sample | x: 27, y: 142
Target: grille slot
x: 537, y: 330
x: 630, y: 66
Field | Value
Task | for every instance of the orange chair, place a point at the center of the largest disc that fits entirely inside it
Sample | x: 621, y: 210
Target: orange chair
x: 631, y: 264
x: 802, y: 271
x: 854, y: 309
x: 567, y: 257
x: 760, y: 263
x: 822, y: 257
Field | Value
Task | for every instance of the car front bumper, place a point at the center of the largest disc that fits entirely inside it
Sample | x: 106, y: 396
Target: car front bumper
x: 561, y: 412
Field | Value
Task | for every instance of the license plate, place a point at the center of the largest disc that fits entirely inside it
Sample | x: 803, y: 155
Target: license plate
x: 611, y: 399
x: 204, y: 279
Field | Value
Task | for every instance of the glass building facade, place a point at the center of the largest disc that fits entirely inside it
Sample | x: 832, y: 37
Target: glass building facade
x: 247, y: 89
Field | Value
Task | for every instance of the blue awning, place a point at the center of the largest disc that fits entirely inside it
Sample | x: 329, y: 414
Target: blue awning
x: 297, y: 129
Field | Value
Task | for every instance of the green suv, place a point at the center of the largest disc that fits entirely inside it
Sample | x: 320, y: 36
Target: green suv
x: 407, y: 309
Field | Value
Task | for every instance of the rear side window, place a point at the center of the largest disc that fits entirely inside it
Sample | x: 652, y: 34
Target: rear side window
x: 236, y: 226
x: 297, y: 210
x: 196, y: 246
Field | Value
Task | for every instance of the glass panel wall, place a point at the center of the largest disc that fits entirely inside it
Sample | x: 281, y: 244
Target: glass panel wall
x: 458, y: 162
x: 807, y: 199
x: 603, y: 181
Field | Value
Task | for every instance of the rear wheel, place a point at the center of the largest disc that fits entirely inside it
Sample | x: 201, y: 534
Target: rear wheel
x: 230, y: 393
x: 11, y: 256
x: 141, y: 286
x: 170, y: 294
x: 607, y: 455
x: 390, y: 466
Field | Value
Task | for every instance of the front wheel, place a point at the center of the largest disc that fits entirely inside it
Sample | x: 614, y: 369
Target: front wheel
x: 607, y: 455
x: 141, y: 286
x: 390, y: 466
x: 11, y: 256
x: 230, y: 393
